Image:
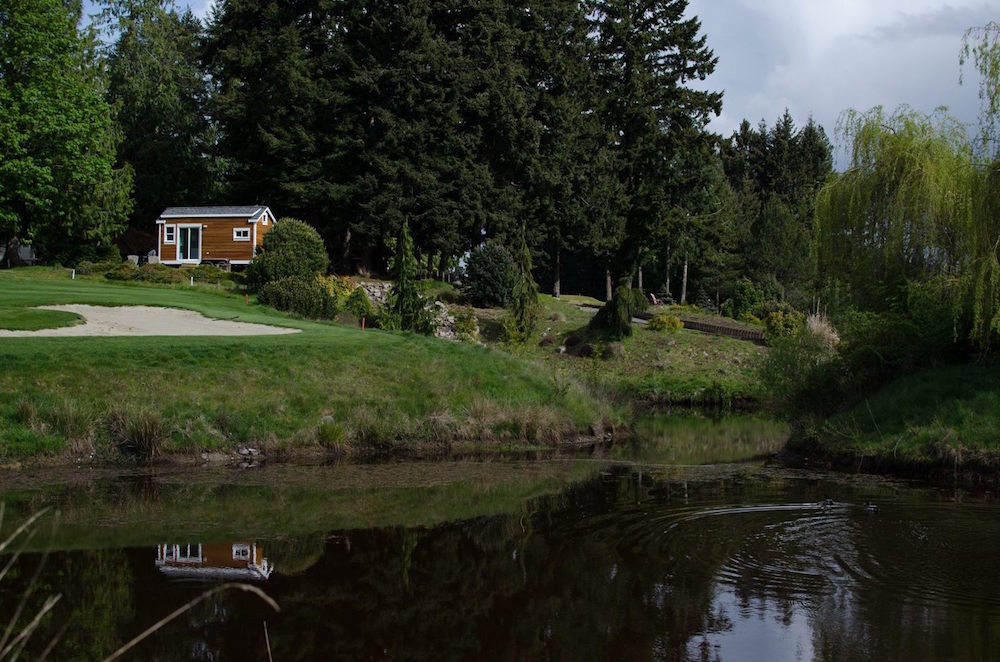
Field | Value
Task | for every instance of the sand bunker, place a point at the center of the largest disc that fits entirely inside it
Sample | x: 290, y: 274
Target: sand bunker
x: 147, y: 321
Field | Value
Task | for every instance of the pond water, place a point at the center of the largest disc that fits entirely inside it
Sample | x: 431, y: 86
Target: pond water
x: 569, y: 559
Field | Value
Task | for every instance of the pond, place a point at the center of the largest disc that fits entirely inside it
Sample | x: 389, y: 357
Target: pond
x: 575, y: 558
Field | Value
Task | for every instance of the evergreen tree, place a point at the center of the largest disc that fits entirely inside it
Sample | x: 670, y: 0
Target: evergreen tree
x: 59, y: 188
x: 406, y: 309
x: 524, y: 306
x: 160, y: 95
x: 645, y: 57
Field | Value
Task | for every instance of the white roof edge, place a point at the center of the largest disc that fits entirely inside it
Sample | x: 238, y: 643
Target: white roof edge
x: 208, y: 216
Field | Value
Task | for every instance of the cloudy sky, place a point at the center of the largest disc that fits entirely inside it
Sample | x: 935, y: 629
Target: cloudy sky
x: 820, y: 57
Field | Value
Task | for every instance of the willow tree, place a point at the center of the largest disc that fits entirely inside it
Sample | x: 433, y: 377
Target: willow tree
x: 902, y: 209
x: 982, y: 47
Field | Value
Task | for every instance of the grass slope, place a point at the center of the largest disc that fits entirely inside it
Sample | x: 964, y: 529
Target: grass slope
x: 946, y: 418
x: 655, y: 367
x: 330, y: 385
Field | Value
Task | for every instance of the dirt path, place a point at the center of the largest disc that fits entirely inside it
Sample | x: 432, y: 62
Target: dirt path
x: 146, y: 321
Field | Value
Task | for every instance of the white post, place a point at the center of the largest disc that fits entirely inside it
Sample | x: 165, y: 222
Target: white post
x: 192, y: 281
x: 73, y: 275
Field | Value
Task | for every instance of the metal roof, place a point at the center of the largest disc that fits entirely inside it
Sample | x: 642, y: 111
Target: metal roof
x: 241, y: 211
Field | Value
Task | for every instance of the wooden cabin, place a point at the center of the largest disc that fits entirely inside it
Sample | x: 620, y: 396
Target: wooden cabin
x: 231, y: 560
x: 225, y: 236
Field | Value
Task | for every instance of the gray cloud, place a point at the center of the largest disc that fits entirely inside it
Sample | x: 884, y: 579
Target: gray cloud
x: 818, y: 58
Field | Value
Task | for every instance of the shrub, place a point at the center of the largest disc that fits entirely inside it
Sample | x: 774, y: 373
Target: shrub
x: 308, y: 298
x: 123, y: 271
x: 466, y: 325
x: 617, y: 314
x: 160, y: 273
x: 782, y: 325
x: 801, y: 374
x: 292, y: 249
x: 88, y: 268
x: 746, y: 297
x: 339, y: 287
x: 209, y: 273
x: 820, y: 327
x: 665, y: 323
x: 359, y: 305
x: 490, y: 276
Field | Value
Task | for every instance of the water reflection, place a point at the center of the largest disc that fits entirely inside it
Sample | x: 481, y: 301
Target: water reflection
x: 237, y: 561
x: 670, y: 566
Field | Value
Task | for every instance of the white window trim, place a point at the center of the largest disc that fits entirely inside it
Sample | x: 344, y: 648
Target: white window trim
x: 172, y: 230
x: 241, y: 231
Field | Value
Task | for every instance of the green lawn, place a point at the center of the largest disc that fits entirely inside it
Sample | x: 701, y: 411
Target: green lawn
x: 330, y: 386
x: 944, y: 416
x: 656, y: 367
x: 31, y: 319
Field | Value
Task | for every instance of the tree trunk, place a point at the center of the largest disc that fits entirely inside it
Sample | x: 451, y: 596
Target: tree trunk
x: 345, y: 253
x: 684, y: 282
x: 640, y: 276
x: 556, y: 286
x: 607, y: 284
x: 667, y: 286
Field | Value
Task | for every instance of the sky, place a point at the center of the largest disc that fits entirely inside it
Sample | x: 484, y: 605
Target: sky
x: 820, y: 57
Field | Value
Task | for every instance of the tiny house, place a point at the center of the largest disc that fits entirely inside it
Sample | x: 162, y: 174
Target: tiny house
x: 217, y: 235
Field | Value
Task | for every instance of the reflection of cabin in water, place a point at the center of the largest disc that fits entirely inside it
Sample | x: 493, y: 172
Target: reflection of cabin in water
x: 219, y: 560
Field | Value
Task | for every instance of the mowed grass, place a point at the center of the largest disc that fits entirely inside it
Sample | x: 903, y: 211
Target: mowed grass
x: 686, y: 367
x: 943, y: 416
x: 32, y: 319
x: 329, y: 386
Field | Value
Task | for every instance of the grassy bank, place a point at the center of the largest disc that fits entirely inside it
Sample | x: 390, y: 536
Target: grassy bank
x: 656, y: 368
x: 329, y: 386
x: 943, y: 421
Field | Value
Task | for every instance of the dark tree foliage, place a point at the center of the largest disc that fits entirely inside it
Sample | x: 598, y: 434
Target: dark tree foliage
x: 646, y: 54
x: 776, y: 175
x: 157, y: 87
x: 59, y: 189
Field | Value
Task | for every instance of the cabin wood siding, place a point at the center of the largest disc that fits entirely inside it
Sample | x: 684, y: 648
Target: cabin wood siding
x: 263, y: 229
x: 217, y: 238
x: 167, y: 251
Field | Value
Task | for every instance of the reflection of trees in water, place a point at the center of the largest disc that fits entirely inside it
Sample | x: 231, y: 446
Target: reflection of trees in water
x: 97, y: 597
x: 616, y: 567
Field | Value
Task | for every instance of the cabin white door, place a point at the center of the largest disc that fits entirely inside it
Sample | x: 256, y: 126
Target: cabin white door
x: 189, y: 243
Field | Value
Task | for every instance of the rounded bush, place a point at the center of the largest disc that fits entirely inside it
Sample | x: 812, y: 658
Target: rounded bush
x: 665, y: 323
x: 209, y: 273
x: 359, y: 305
x: 490, y: 276
x: 308, y: 298
x: 783, y: 325
x: 292, y: 249
x: 123, y: 271
x: 160, y: 273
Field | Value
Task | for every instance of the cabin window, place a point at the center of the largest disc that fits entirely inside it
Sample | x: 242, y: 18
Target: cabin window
x: 241, y: 234
x: 169, y: 234
x: 241, y: 552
